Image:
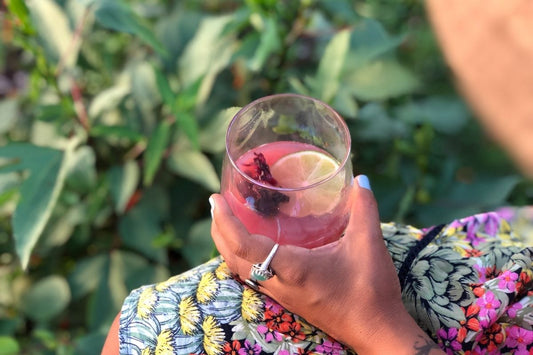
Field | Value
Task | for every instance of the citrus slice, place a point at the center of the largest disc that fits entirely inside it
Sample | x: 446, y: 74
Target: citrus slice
x: 305, y: 168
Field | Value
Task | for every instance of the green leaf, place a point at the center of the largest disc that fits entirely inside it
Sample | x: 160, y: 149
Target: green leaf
x: 53, y: 28
x: 187, y: 122
x: 123, y: 272
x: 10, y: 113
x: 370, y: 41
x: 61, y: 225
x: 38, y: 193
x: 87, y: 344
x: 206, y: 55
x: 119, y: 16
x: 164, y: 88
x: 111, y: 97
x: 154, y: 151
x: 485, y: 191
x: 144, y: 86
x: 123, y: 181
x: 86, y: 275
x: 175, y: 31
x: 46, y: 298
x: 9, y: 346
x: 206, y: 51
x: 331, y: 64
x: 445, y: 114
x: 81, y: 173
x: 58, y: 113
x: 143, y: 223
x: 298, y: 86
x: 199, y: 244
x: 213, y: 136
x: 8, y: 181
x: 462, y: 199
x: 106, y: 301
x: 20, y: 10
x: 269, y: 43
x: 381, y: 80
x: 194, y: 165
x: 123, y: 132
x: 375, y: 124
x: 345, y: 104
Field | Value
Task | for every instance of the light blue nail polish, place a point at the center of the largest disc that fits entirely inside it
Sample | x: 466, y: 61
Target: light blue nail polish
x: 212, y: 203
x: 363, y: 182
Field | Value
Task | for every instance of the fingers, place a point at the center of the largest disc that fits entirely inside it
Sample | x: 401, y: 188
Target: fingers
x: 364, y: 218
x: 239, y: 248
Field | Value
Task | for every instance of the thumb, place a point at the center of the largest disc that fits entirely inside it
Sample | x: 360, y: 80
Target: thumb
x: 364, y: 218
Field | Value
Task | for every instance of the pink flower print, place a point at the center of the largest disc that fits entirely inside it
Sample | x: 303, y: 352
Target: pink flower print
x: 329, y: 348
x: 273, y: 306
x: 492, y: 223
x: 284, y: 352
x: 472, y: 227
x: 506, y: 213
x: 481, y: 273
x: 476, y: 351
x: 519, y: 338
x: 513, y: 309
x: 448, y: 340
x: 488, y: 304
x: 270, y: 334
x: 508, y: 281
x: 250, y: 349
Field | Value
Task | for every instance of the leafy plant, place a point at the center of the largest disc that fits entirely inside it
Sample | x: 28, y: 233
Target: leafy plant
x: 112, y: 137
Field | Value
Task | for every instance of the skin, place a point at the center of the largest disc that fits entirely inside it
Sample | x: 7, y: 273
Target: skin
x: 489, y: 47
x: 111, y: 346
x: 349, y: 288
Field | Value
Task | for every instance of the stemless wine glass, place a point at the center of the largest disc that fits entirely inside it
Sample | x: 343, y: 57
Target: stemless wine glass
x: 287, y: 170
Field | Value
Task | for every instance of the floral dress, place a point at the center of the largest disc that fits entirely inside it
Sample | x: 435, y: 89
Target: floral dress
x: 468, y: 284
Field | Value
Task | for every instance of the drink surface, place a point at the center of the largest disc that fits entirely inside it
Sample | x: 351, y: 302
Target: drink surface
x: 307, y: 217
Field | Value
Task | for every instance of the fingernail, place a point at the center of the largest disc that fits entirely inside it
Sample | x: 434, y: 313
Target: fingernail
x: 212, y: 203
x: 363, y: 182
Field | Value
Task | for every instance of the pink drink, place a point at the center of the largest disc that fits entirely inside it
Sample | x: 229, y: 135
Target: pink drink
x: 258, y: 207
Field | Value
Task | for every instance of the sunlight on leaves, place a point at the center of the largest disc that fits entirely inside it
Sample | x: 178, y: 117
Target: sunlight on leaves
x: 38, y: 193
x: 123, y: 181
x: 329, y: 70
x: 380, y: 80
x: 194, y: 165
x: 54, y: 30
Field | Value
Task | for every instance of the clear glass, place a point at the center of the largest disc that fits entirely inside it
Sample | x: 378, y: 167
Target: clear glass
x: 287, y: 171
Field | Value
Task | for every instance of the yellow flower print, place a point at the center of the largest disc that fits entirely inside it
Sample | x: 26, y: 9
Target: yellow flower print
x: 222, y: 272
x: 252, y: 305
x: 164, y: 343
x: 213, y: 336
x: 207, y: 288
x: 147, y: 351
x: 162, y: 286
x: 146, y: 304
x: 190, y: 316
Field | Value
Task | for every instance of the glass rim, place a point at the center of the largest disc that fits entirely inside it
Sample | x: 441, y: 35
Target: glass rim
x: 337, y: 118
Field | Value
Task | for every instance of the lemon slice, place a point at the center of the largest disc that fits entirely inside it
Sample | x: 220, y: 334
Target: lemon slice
x: 305, y: 168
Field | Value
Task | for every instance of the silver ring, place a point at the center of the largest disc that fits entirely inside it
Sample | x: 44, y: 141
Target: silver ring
x: 254, y: 285
x: 262, y: 271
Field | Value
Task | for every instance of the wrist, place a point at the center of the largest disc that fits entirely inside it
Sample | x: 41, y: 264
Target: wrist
x: 395, y: 334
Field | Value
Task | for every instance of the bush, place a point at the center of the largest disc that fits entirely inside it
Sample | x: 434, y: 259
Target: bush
x: 112, y: 137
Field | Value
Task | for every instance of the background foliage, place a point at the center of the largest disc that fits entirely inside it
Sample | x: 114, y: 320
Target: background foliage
x: 112, y: 122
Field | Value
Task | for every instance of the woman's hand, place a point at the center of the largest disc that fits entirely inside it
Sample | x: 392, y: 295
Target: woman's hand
x: 348, y: 288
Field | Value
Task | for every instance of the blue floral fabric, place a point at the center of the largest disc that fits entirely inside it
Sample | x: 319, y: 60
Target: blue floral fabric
x: 468, y: 284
